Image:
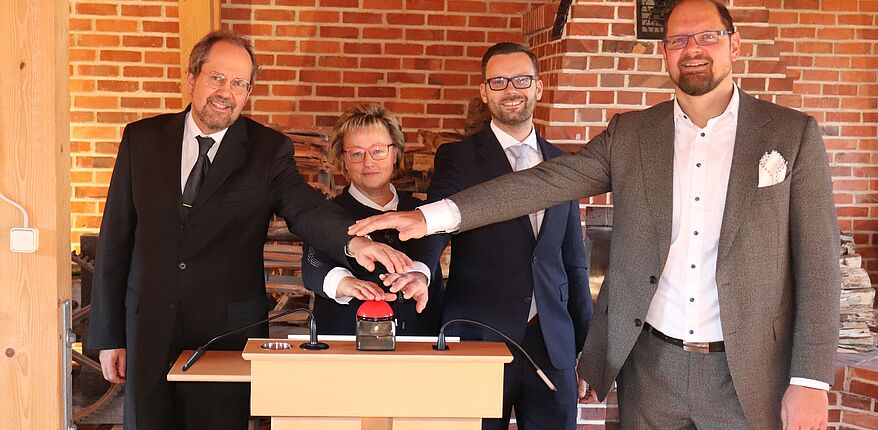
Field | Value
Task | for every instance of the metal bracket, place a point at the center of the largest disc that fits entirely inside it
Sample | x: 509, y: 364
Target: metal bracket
x: 68, y: 338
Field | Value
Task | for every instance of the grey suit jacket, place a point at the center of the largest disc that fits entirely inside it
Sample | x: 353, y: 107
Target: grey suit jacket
x: 777, y: 264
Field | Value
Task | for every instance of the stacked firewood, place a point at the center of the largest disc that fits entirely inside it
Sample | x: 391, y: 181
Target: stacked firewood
x: 415, y: 174
x: 857, y: 332
x: 312, y: 159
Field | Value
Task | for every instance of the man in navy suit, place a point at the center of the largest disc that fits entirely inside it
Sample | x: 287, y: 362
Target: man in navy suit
x: 526, y: 277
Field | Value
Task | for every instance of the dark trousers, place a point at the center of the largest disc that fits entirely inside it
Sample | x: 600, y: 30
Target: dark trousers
x: 536, y: 407
x: 187, y: 405
x: 663, y: 387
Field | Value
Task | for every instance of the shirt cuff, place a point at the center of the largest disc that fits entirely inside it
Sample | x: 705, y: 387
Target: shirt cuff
x: 331, y: 281
x: 810, y: 383
x: 419, y: 267
x: 441, y: 217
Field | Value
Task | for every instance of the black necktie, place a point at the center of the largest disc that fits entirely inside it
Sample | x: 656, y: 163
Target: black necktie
x: 199, y: 171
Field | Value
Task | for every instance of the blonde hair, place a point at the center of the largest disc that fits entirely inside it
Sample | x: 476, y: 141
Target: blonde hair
x: 360, y: 117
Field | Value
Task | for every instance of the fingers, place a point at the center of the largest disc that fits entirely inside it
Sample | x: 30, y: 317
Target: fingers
x: 412, y: 285
x: 370, y: 224
x: 411, y: 224
x: 122, y: 365
x: 113, y: 365
x: 393, y: 260
x: 421, y: 301
x: 361, y: 290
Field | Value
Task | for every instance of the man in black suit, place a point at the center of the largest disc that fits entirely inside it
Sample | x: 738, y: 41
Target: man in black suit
x: 526, y: 277
x: 179, y: 258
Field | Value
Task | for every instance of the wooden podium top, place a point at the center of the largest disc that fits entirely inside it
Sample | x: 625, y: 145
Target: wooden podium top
x: 213, y: 366
x: 405, y: 351
x: 234, y: 366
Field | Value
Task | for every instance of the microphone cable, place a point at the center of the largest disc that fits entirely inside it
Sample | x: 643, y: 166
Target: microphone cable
x: 311, y: 344
x: 441, y: 346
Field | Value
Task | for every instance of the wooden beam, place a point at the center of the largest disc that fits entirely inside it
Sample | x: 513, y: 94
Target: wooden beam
x: 34, y: 171
x: 197, y: 18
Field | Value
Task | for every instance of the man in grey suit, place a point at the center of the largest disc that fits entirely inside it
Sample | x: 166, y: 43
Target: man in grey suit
x: 720, y: 307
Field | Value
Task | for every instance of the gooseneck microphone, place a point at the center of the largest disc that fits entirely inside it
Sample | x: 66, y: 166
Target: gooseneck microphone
x: 441, y: 346
x: 311, y: 344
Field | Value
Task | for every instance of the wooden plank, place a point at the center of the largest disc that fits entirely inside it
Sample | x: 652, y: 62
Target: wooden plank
x: 315, y: 423
x: 35, y: 171
x: 197, y: 18
x: 222, y: 366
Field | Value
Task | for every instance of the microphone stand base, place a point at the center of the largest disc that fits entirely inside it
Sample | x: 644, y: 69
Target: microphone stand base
x: 314, y: 346
x: 440, y: 348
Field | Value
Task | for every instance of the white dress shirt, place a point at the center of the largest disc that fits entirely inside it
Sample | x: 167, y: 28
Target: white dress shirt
x: 190, y: 147
x: 686, y: 302
x: 334, y: 277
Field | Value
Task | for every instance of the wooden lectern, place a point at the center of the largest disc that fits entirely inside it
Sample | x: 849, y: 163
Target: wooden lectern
x: 412, y: 388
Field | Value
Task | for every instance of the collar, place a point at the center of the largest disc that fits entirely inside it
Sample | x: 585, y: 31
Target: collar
x: 506, y: 140
x: 731, y: 109
x: 190, y: 130
x: 365, y: 201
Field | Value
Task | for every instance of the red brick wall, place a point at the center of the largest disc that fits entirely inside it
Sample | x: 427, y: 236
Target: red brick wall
x: 421, y: 59
x: 124, y: 65
x: 418, y: 57
x: 820, y: 57
x: 853, y: 403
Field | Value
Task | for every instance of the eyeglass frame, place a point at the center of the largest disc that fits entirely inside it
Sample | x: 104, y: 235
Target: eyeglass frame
x: 531, y: 79
x: 694, y: 37
x: 348, y: 151
x: 212, y: 82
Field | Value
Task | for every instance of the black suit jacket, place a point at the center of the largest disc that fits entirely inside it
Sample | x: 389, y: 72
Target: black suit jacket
x: 335, y: 318
x: 163, y: 284
x: 496, y: 269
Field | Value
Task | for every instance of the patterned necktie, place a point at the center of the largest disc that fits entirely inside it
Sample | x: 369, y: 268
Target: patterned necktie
x: 519, y: 152
x: 199, y: 171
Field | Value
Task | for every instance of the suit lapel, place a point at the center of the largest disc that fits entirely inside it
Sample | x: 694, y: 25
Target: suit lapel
x: 230, y: 155
x: 750, y: 143
x: 554, y: 215
x: 657, y: 167
x: 495, y: 161
x: 171, y: 155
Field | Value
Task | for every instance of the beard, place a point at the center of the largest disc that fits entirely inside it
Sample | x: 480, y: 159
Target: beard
x: 697, y: 83
x: 217, y: 120
x: 524, y: 114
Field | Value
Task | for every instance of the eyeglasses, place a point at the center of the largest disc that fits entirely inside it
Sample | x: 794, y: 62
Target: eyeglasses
x: 358, y: 154
x: 520, y: 82
x: 217, y: 80
x: 705, y: 38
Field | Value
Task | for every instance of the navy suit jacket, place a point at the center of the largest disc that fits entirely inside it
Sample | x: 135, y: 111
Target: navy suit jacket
x: 496, y: 269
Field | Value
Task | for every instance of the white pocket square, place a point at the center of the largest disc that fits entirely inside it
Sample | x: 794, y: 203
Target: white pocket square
x: 772, y: 169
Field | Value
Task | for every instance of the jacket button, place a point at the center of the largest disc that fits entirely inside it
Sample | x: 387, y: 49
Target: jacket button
x: 638, y: 322
x: 652, y: 280
x: 527, y: 299
x: 534, y: 260
x: 182, y: 266
x: 172, y: 305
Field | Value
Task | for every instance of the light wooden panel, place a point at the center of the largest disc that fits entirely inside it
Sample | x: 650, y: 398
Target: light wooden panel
x: 197, y: 18
x: 421, y: 382
x: 34, y: 170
